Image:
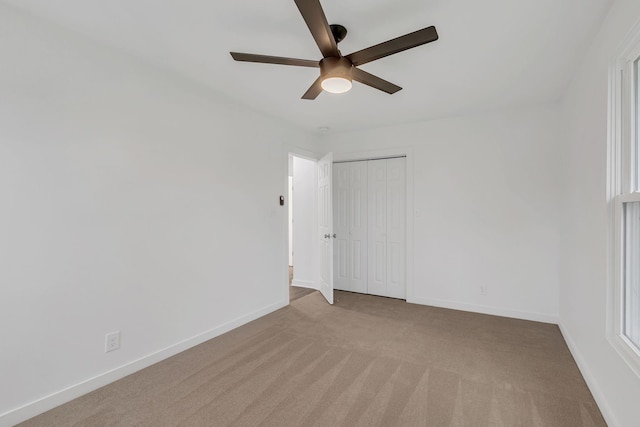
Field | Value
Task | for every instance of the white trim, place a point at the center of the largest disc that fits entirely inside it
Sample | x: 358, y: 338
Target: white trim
x: 625, y: 348
x: 58, y: 398
x: 494, y: 311
x: 621, y: 184
x: 391, y: 152
x: 304, y: 284
x: 285, y: 226
x: 296, y: 150
x: 601, y: 401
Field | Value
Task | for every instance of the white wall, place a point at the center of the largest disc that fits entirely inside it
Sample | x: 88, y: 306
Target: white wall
x: 583, y: 294
x: 485, y: 198
x: 304, y: 223
x: 130, y: 200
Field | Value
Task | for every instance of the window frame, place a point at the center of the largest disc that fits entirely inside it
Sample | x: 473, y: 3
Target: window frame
x: 623, y: 185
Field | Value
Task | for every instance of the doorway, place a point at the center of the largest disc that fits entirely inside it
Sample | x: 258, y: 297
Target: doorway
x: 312, y: 255
x: 302, y: 226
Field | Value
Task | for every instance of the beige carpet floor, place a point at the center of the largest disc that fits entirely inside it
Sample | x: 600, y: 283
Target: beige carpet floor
x: 296, y: 292
x: 366, y: 361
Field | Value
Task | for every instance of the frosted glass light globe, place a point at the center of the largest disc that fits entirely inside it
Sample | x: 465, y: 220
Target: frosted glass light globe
x: 336, y: 84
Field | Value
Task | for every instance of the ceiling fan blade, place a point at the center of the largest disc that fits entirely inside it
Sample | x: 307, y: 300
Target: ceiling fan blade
x: 314, y: 90
x: 250, y: 57
x: 374, y: 81
x: 313, y: 15
x: 408, y: 41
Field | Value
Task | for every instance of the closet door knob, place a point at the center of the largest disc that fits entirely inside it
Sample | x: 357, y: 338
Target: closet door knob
x: 334, y: 235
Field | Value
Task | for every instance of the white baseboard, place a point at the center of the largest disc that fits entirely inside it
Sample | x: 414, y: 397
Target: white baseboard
x: 604, y: 407
x: 60, y: 397
x: 304, y: 284
x: 524, y: 315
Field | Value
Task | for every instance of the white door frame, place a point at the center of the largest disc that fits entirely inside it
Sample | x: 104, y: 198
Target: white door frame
x: 394, y: 152
x: 290, y: 150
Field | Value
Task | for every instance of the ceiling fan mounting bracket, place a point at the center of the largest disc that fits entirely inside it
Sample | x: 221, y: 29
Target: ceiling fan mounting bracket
x: 339, y: 32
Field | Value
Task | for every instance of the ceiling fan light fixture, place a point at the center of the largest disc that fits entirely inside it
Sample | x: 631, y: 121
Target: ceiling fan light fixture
x: 337, y: 74
x: 336, y: 84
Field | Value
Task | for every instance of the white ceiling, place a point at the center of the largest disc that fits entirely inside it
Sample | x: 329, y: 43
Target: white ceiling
x: 491, y: 53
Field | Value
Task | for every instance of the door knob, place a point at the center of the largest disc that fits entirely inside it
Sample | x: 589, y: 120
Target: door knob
x: 326, y: 236
x: 334, y: 235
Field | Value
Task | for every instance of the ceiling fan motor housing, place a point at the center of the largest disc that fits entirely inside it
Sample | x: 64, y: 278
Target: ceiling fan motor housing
x: 336, y: 67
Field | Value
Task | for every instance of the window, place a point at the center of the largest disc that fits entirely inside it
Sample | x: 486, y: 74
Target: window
x: 631, y: 282
x: 624, y: 197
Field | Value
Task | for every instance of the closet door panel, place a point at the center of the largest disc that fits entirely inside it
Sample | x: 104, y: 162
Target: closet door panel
x: 377, y: 227
x: 370, y: 216
x: 341, y: 226
x: 396, y: 230
x: 358, y: 185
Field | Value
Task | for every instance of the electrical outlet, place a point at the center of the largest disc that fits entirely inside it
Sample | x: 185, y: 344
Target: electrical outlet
x: 483, y: 290
x: 112, y: 341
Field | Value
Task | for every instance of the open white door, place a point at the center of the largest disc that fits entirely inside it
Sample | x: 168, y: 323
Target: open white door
x: 325, y: 225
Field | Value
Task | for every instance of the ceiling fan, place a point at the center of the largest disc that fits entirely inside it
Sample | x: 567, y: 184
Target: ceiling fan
x: 337, y: 71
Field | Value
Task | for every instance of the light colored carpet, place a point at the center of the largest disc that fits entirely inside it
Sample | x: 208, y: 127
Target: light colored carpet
x: 366, y: 361
x: 296, y: 292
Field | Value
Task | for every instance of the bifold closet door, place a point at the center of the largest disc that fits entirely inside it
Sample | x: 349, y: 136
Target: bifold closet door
x: 350, y: 226
x: 369, y: 222
x: 386, y: 230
